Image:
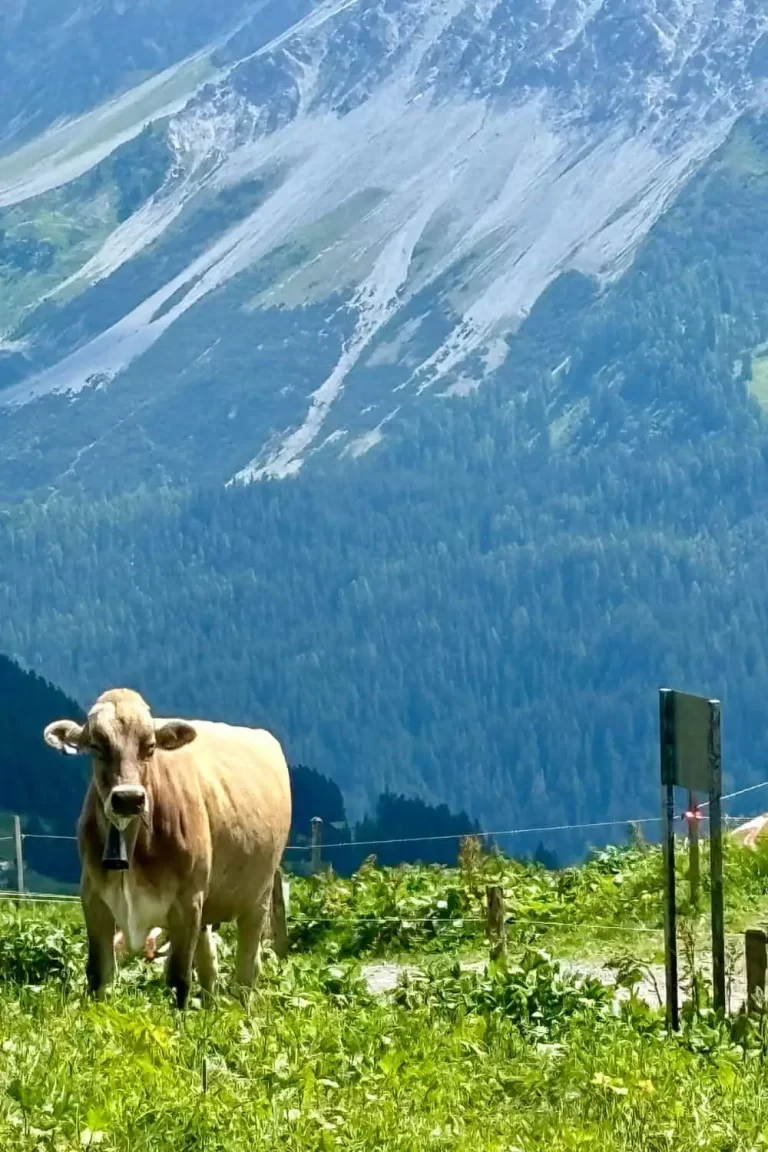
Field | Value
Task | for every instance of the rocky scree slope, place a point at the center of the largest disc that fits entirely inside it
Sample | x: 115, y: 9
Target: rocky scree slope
x: 309, y: 217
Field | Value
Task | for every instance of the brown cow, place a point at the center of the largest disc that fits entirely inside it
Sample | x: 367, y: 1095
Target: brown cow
x: 205, y: 811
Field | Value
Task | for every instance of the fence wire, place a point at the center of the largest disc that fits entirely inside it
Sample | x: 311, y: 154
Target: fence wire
x: 406, y: 922
x: 392, y: 841
x: 511, y: 920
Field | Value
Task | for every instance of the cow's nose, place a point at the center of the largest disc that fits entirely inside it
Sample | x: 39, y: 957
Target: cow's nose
x: 127, y: 800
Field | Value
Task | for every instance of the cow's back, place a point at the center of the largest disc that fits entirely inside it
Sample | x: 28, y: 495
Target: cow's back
x: 236, y: 790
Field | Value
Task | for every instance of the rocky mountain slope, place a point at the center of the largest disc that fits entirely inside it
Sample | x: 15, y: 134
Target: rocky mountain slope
x: 340, y: 210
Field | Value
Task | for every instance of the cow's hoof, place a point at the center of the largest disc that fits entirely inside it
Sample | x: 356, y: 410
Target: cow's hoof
x: 243, y: 995
x: 207, y: 997
x: 181, y: 991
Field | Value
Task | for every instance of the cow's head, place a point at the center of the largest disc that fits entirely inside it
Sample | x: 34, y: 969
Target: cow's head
x: 122, y: 738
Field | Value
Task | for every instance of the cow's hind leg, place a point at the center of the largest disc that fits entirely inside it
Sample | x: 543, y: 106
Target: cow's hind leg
x: 100, y: 926
x: 205, y: 961
x: 250, y: 927
x: 183, y: 936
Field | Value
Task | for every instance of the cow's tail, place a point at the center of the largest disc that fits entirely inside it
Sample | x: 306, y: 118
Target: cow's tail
x: 278, y: 916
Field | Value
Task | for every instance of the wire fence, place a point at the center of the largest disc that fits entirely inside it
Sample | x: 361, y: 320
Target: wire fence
x: 541, y: 829
x: 405, y: 922
x: 427, y: 839
x: 314, y: 848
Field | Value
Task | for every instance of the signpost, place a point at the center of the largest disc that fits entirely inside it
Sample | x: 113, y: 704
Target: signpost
x: 690, y: 757
x: 692, y: 817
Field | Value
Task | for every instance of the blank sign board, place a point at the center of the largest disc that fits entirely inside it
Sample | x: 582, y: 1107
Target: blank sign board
x: 689, y: 731
x: 687, y: 761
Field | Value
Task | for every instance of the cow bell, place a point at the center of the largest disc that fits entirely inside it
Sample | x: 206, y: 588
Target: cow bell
x: 115, y: 858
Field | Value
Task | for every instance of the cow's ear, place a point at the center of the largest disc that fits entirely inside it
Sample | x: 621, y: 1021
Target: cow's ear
x: 173, y: 734
x: 65, y: 736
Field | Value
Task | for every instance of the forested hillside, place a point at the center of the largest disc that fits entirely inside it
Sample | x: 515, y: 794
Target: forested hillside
x: 36, y: 783
x: 480, y: 610
x: 33, y: 778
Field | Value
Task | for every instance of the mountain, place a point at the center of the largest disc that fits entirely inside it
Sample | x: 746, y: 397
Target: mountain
x: 392, y: 374
x: 61, y: 58
x: 285, y: 238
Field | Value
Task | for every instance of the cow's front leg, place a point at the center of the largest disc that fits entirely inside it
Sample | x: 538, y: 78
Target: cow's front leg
x: 183, y: 935
x: 100, y: 926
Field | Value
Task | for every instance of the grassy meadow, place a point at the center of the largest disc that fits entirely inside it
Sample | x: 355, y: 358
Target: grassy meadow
x: 519, y: 1054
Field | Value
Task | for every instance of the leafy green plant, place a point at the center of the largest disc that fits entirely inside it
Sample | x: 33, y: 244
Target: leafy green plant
x: 34, y: 950
x: 533, y: 993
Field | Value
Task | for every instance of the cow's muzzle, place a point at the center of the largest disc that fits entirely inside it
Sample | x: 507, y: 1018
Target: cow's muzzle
x: 125, y: 802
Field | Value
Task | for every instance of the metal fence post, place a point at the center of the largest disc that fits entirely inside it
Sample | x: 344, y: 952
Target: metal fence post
x: 18, y: 840
x: 716, y: 857
x: 667, y: 756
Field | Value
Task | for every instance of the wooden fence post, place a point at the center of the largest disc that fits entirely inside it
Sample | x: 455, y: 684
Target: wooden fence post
x: 317, y: 844
x: 279, y: 924
x: 756, y: 960
x: 19, y: 854
x: 495, y: 920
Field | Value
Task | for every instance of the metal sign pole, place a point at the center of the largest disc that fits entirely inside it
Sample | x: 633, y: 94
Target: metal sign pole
x: 692, y: 819
x: 667, y: 751
x: 714, y: 756
x: 689, y: 733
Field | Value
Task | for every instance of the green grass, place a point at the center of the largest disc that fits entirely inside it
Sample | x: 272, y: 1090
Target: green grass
x: 76, y: 230
x: 518, y: 1056
x: 318, y: 259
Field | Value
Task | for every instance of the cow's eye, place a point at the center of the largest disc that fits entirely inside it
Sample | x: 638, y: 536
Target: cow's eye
x: 99, y: 749
x: 148, y: 751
